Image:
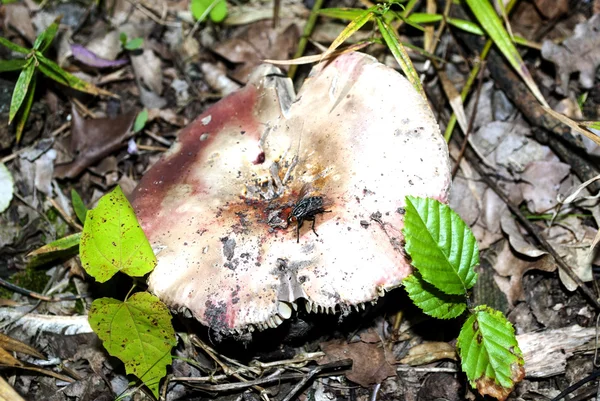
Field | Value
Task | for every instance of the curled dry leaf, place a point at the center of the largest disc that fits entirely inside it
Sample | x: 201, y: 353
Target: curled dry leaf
x: 429, y: 352
x: 221, y: 208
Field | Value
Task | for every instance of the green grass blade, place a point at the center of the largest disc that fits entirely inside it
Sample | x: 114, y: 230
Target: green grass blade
x: 12, y: 65
x: 26, y: 109
x: 467, y: 26
x: 393, y: 42
x: 350, y: 29
x: 348, y: 14
x: 12, y: 46
x: 424, y: 18
x: 54, y: 72
x: 489, y: 20
x: 21, y: 88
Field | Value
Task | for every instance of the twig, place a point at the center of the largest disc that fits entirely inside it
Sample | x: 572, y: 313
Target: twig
x: 39, y: 296
x: 313, y: 372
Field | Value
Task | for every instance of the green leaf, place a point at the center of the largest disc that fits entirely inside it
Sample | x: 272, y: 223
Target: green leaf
x: 21, y: 88
x: 6, y: 187
x: 79, y: 207
x: 138, y: 332
x: 432, y: 301
x: 26, y: 109
x: 489, y: 352
x: 489, y: 20
x: 113, y: 241
x: 60, y: 249
x: 12, y: 46
x: 341, y: 13
x: 123, y: 38
x: 216, y: 9
x: 54, y: 72
x: 134, y: 44
x: 43, y: 41
x: 12, y: 65
x: 140, y: 120
x: 393, y: 42
x: 441, y: 245
x: 424, y: 18
x: 467, y: 26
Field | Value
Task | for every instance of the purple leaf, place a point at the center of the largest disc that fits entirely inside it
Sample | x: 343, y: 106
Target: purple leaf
x: 88, y: 58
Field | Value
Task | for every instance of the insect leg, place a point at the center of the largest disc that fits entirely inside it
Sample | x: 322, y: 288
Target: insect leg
x: 299, y: 222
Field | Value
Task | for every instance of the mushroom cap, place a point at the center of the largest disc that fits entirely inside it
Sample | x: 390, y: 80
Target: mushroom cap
x: 219, y: 207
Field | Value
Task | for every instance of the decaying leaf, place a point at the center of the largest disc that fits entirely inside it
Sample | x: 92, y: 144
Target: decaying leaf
x: 429, y: 352
x: 94, y: 139
x: 369, y: 362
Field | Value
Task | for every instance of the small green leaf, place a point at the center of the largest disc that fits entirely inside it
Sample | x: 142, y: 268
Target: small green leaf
x: 216, y: 9
x: 12, y: 65
x: 43, y: 41
x: 140, y: 120
x: 123, y: 38
x: 467, y: 26
x: 134, y: 44
x: 78, y: 205
x: 432, y: 301
x: 424, y: 18
x: 341, y: 13
x: 26, y: 109
x: 113, y: 241
x: 441, y: 245
x: 6, y: 187
x: 489, y: 352
x: 21, y: 88
x: 60, y: 249
x: 138, y: 332
x: 54, y: 72
x: 12, y: 46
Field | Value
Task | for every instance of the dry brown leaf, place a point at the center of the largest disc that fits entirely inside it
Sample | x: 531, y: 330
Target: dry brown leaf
x: 18, y: 16
x: 94, y: 139
x: 541, y: 184
x: 429, y: 352
x: 369, y: 362
x: 10, y: 344
x: 552, y: 9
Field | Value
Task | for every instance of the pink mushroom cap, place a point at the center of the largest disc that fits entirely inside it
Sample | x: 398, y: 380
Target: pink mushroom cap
x: 217, y: 208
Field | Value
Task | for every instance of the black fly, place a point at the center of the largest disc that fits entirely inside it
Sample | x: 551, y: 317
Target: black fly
x: 307, y: 209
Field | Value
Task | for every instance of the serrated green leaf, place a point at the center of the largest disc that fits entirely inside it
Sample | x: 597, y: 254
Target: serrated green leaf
x: 43, y: 41
x: 489, y: 352
x: 341, y: 13
x: 12, y: 65
x: 13, y: 46
x: 390, y: 36
x: 140, y: 120
x: 6, y: 187
x: 21, y: 88
x: 54, y: 72
x: 134, y: 44
x: 60, y: 249
x: 138, y: 332
x: 26, y: 109
x: 78, y: 205
x: 441, y: 245
x: 113, y: 241
x: 432, y: 301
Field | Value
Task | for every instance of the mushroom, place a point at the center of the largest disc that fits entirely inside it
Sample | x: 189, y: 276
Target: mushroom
x: 223, y: 208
